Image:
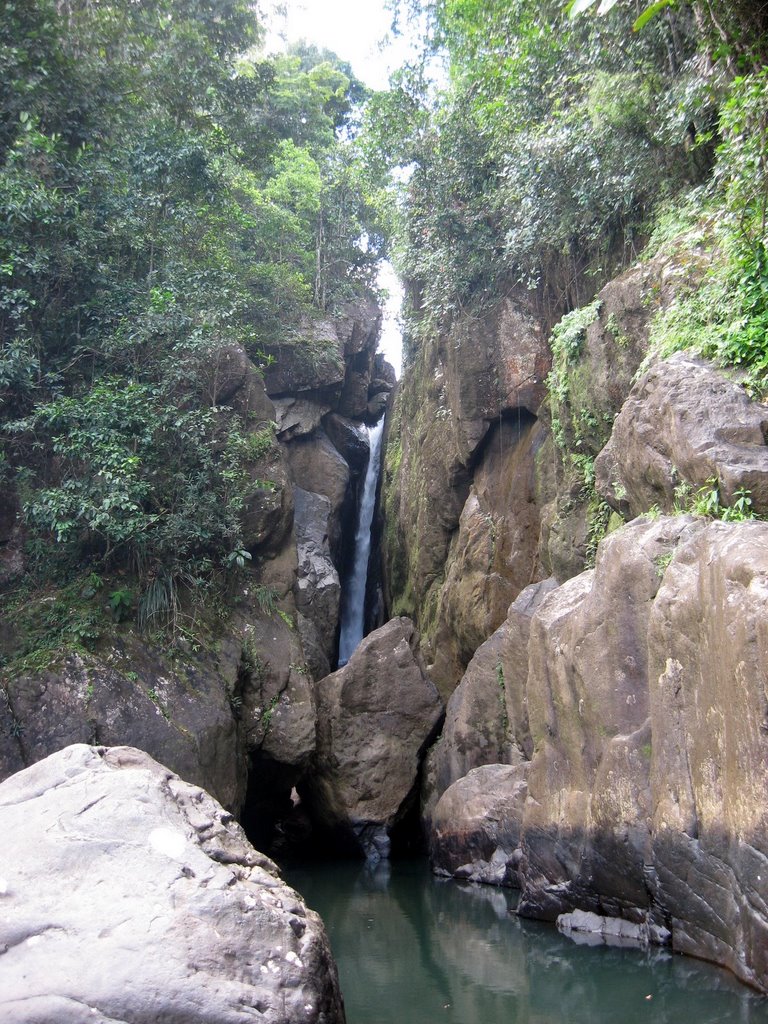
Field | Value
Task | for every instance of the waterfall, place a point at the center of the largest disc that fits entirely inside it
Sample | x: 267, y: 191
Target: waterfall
x: 353, y: 608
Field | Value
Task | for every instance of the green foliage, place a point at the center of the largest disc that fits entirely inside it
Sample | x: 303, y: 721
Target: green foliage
x: 569, y: 334
x: 159, y: 603
x: 266, y: 598
x: 542, y: 159
x: 121, y: 604
x: 155, y: 698
x: 735, y: 30
x: 46, y: 624
x: 113, y: 500
x: 598, y: 519
x: 661, y: 562
x: 237, y: 559
x: 251, y: 660
x: 268, y: 712
x: 566, y: 341
x: 576, y: 7
x: 286, y: 619
x: 707, y: 501
x: 163, y: 193
x: 725, y: 317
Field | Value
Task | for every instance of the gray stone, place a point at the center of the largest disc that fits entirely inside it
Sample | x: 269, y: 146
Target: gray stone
x: 317, y: 465
x: 267, y: 514
x: 486, y: 718
x: 318, y: 591
x: 296, y: 416
x: 708, y: 680
x: 277, y: 708
x: 350, y: 439
x: 476, y: 825
x: 177, y: 711
x: 375, y: 718
x: 586, y: 831
x: 144, y: 902
x: 684, y: 422
x: 313, y: 361
x: 493, y: 554
x: 316, y: 658
x: 612, y: 931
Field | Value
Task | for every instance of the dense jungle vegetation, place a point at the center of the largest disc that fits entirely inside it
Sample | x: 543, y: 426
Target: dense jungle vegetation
x: 565, y: 142
x: 166, y: 189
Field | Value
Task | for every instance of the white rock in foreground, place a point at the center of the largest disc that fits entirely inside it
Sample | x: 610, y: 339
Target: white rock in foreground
x: 129, y: 896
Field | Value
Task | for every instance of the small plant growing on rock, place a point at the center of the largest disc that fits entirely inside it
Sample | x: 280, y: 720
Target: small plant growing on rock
x: 707, y: 502
x: 661, y: 562
x: 266, y: 598
x: 121, y: 604
x: 236, y: 559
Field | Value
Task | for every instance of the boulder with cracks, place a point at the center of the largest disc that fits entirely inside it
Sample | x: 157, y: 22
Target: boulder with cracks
x: 144, y: 902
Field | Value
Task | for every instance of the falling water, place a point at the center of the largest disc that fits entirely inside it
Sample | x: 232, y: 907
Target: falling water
x: 353, y: 610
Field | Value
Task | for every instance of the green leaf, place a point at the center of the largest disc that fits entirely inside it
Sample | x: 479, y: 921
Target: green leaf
x: 650, y: 12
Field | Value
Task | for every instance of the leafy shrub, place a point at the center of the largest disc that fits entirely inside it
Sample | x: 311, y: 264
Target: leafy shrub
x: 725, y: 318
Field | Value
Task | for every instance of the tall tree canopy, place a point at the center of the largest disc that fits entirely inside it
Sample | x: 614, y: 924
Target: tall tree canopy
x: 164, y: 190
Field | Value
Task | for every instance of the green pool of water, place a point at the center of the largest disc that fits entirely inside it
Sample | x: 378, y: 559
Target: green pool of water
x: 415, y: 949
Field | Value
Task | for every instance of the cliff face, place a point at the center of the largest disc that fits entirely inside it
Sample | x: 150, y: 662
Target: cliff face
x: 460, y: 509
x: 605, y: 743
x: 226, y: 699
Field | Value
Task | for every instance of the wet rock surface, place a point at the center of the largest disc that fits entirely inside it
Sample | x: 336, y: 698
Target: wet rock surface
x: 477, y: 824
x: 646, y: 789
x: 318, y: 591
x: 144, y: 902
x: 375, y: 717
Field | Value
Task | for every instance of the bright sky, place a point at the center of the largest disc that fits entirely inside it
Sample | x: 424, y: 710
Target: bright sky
x: 354, y: 29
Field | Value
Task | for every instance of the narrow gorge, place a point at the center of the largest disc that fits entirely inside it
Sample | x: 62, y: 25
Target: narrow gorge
x: 268, y: 601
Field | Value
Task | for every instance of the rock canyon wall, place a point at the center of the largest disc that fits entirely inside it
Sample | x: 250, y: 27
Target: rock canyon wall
x: 599, y: 634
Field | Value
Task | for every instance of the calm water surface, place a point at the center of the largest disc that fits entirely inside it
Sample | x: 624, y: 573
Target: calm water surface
x: 414, y: 949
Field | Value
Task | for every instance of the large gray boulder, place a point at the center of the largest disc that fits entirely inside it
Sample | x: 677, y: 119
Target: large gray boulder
x: 317, y: 465
x: 586, y: 830
x: 130, y: 896
x: 477, y: 825
x: 684, y: 422
x: 375, y: 718
x: 708, y: 675
x: 131, y: 694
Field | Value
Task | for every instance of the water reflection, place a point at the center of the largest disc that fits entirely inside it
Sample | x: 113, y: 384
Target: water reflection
x: 414, y: 949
